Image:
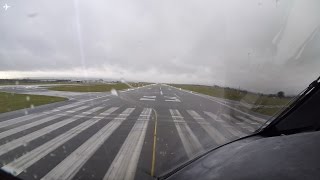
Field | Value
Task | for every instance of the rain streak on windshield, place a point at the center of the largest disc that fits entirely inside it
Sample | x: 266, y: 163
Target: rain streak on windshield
x: 133, y: 89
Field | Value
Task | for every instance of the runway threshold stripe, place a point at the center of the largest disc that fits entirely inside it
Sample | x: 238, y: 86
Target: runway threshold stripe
x: 239, y: 124
x: 22, y: 163
x: 34, y: 135
x: 257, y: 119
x: 93, y: 110
x: 211, y: 131
x: 32, y: 124
x: 125, y: 163
x: 190, y: 142
x: 249, y: 122
x: 32, y: 116
x: 71, y: 164
x: 230, y: 128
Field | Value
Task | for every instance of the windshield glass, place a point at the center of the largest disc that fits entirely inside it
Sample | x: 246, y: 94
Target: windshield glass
x: 123, y: 89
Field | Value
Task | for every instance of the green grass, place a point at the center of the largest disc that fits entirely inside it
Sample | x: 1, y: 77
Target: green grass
x: 11, y: 101
x: 241, y: 95
x: 31, y: 83
x: 89, y: 87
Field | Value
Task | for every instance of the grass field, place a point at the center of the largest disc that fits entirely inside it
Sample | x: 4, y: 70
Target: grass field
x: 239, y: 95
x: 30, y: 83
x: 89, y: 87
x: 11, y: 101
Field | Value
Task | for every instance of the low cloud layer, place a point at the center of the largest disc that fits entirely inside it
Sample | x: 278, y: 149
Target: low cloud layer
x: 257, y: 45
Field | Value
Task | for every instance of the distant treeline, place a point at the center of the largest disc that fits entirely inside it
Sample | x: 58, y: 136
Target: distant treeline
x: 32, y: 81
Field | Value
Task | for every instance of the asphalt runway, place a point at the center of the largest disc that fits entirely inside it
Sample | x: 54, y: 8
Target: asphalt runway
x: 134, y: 134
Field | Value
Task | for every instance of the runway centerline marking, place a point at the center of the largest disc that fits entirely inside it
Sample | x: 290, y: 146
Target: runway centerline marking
x: 148, y: 98
x: 171, y: 99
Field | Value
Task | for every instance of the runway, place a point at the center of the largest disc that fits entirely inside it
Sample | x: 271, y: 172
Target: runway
x: 139, y: 133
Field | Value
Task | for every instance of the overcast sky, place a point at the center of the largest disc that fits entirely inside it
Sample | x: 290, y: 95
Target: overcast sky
x: 259, y: 45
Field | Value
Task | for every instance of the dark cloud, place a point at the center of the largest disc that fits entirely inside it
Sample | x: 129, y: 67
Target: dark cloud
x: 260, y: 46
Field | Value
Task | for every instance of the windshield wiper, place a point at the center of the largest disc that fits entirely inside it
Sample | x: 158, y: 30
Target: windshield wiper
x: 293, y: 105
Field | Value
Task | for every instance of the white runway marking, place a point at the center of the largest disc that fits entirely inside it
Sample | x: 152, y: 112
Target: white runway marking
x: 32, y: 116
x: 93, y: 110
x: 213, y: 132
x: 22, y: 163
x: 109, y: 111
x: 32, y: 124
x: 248, y: 121
x: 260, y: 120
x: 222, y: 103
x: 76, y: 109
x: 125, y: 163
x: 34, y: 135
x: 148, y: 98
x: 190, y: 142
x: 68, y: 168
x: 228, y: 127
x: 171, y: 99
x: 235, y: 128
x: 177, y: 96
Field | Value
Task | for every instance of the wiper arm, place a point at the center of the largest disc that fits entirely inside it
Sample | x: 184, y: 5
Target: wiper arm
x: 294, y: 104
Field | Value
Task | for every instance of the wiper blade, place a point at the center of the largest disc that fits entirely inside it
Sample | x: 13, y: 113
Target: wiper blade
x: 294, y: 104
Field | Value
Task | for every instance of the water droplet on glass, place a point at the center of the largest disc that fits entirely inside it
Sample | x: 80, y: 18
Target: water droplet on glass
x: 25, y: 144
x: 28, y: 98
x: 31, y: 106
x: 35, y: 176
x: 26, y: 112
x: 17, y: 82
x: 52, y: 155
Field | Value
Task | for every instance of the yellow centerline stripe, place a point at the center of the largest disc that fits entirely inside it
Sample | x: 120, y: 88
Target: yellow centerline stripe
x: 154, y: 144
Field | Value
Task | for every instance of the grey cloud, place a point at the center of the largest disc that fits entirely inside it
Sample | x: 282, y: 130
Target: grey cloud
x: 258, y: 45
